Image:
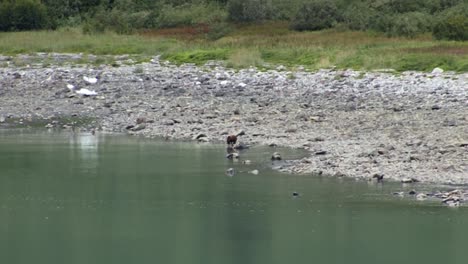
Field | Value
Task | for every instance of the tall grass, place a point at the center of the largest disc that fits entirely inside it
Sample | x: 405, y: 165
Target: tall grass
x: 271, y: 43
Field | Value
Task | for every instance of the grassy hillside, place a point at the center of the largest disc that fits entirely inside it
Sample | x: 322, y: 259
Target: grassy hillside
x: 255, y: 45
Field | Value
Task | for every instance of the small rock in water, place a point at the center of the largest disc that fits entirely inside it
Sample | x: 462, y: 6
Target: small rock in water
x: 230, y: 172
x: 233, y: 155
x: 241, y: 146
x: 401, y: 194
x: 138, y: 127
x: 421, y: 196
x: 254, y: 172
x: 295, y: 194
x: 247, y: 162
x: 276, y: 156
x: 409, y: 180
x: 412, y: 192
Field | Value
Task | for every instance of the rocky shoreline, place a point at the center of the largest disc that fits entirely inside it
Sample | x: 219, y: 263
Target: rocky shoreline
x: 355, y: 124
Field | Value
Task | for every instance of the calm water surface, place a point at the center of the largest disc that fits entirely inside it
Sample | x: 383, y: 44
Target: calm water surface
x: 113, y: 199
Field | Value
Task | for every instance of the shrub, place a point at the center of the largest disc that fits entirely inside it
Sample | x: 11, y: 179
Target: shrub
x: 218, y: 30
x: 316, y: 15
x: 190, y: 14
x: 410, y: 24
x: 452, y: 24
x: 358, y: 16
x: 22, y: 15
x: 249, y: 10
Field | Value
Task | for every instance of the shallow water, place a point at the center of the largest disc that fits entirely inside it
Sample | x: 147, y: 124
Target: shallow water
x: 80, y: 198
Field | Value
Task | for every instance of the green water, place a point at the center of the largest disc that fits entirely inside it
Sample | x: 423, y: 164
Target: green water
x: 114, y: 199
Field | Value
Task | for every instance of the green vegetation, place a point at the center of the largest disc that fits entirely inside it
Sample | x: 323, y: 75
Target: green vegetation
x: 252, y: 45
x: 360, y: 34
x: 445, y: 19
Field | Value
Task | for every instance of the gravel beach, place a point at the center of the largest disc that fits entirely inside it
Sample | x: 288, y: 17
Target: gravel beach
x: 354, y: 124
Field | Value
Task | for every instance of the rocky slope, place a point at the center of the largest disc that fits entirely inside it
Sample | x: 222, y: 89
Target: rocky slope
x: 356, y: 124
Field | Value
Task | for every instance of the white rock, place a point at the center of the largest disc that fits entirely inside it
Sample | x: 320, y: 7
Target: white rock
x: 90, y: 80
x: 84, y: 91
x: 241, y: 85
x: 70, y: 86
x: 421, y: 196
x: 437, y: 70
x: 254, y: 172
x: 224, y: 83
x: 230, y: 172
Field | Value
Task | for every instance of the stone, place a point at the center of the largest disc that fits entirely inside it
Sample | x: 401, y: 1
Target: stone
x: 241, y: 133
x: 437, y: 70
x: 201, y: 135
x: 140, y: 120
x: 233, y: 155
x: 204, y: 139
x: 409, y: 180
x: 230, y: 172
x: 241, y: 146
x: 168, y: 122
x: 90, y: 80
x: 254, y: 172
x: 138, y: 127
x: 276, y: 156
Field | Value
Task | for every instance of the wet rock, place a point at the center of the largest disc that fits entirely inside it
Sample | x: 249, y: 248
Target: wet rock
x: 232, y: 156
x: 409, y: 180
x: 201, y: 135
x: 241, y: 146
x: 320, y: 152
x: 276, y: 156
x: 138, y: 127
x: 421, y: 197
x: 254, y: 172
x: 230, y: 172
x: 204, y: 139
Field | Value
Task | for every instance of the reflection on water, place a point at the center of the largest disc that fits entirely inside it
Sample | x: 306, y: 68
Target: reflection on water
x: 86, y: 198
x: 86, y: 145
